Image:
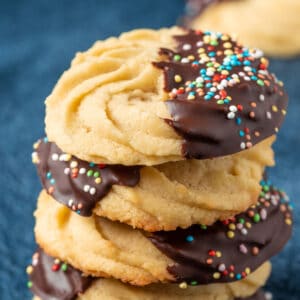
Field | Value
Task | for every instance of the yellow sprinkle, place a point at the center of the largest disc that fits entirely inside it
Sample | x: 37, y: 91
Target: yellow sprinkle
x: 191, y: 57
x: 206, y: 39
x: 276, y: 129
x: 98, y: 180
x: 35, y: 158
x: 264, y: 61
x: 227, y: 45
x: 29, y: 270
x: 247, y: 271
x: 230, y: 234
x: 231, y: 226
x: 248, y: 225
x: 231, y: 275
x: 201, y: 50
x: 216, y: 275
x: 288, y: 221
x: 36, y: 145
x: 274, y: 108
x: 283, y: 112
x: 67, y: 157
x: 177, y: 78
x: 218, y: 253
x: 228, y: 52
x: 183, y: 285
x: 56, y: 261
x: 191, y: 97
x: 224, y: 72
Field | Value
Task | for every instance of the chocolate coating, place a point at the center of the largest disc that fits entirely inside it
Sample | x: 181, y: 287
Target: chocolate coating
x: 229, y: 250
x: 76, y: 183
x: 222, y: 97
x: 55, y: 281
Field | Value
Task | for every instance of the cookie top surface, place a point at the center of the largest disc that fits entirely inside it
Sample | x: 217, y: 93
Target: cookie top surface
x: 224, y: 252
x: 150, y: 97
x: 50, y: 279
x: 161, y: 197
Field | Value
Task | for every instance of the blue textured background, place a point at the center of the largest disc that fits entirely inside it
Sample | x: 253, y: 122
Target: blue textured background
x: 38, y: 40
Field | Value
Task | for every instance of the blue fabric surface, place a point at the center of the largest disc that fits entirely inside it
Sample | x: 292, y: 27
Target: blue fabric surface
x: 38, y: 40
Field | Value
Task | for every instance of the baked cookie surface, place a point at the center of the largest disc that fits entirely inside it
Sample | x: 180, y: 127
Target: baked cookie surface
x: 150, y: 97
x: 224, y: 252
x: 162, y: 197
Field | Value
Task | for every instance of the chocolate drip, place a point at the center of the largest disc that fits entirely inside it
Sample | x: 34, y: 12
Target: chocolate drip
x: 222, y: 98
x: 228, y: 251
x: 76, y: 183
x: 259, y: 295
x: 50, y: 279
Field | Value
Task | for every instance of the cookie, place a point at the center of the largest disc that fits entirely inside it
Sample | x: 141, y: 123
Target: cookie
x: 247, y: 19
x: 51, y: 278
x: 155, y: 96
x: 224, y: 252
x: 161, y: 197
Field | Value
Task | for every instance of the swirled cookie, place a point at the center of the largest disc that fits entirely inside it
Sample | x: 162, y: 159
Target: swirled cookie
x: 150, y: 97
x: 247, y: 18
x: 162, y: 197
x: 224, y: 252
x: 51, y: 278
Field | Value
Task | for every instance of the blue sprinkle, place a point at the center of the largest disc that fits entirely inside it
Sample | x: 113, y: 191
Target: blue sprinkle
x: 212, y: 54
x: 91, y: 164
x: 254, y: 78
x: 226, y: 101
x: 247, y: 63
x: 52, y: 180
x: 189, y: 238
x: 208, y: 85
x: 78, y: 211
x: 238, y: 121
x: 48, y: 175
x: 238, y: 276
x: 241, y: 133
x: 45, y: 140
x: 207, y: 97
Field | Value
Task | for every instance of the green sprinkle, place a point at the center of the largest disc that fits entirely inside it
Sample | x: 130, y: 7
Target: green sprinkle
x: 241, y: 220
x: 210, y: 64
x: 203, y: 227
x: 194, y: 282
x: 199, y: 85
x: 177, y: 57
x: 260, y: 82
x: 29, y: 284
x: 64, y: 267
x: 266, y: 188
x: 214, y: 43
x: 256, y: 218
x: 96, y: 174
x: 220, y: 102
x: 89, y: 173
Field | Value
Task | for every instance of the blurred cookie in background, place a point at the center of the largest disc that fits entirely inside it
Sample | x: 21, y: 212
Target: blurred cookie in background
x: 271, y: 25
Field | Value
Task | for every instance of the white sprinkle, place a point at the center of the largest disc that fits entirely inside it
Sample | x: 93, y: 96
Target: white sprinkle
x: 235, y: 75
x: 269, y: 115
x: 213, y: 89
x: 243, y: 249
x: 35, y: 262
x: 268, y: 296
x: 199, y: 79
x: 187, y: 47
x: 247, y: 78
x: 247, y: 69
x: 230, y: 115
x: 217, y: 97
x: 67, y: 171
x: 54, y: 156
x: 92, y: 191
x: 185, y: 60
x: 210, y: 72
x: 199, y: 44
x: 244, y: 231
x: 222, y: 267
x: 233, y: 108
x: 224, y: 82
x: 70, y: 202
x: 242, y: 74
x: 258, y: 53
x: 86, y: 188
x: 261, y: 97
x: 239, y: 226
x: 243, y: 145
x: 263, y: 72
x: 263, y: 214
x: 74, y: 164
x: 82, y: 170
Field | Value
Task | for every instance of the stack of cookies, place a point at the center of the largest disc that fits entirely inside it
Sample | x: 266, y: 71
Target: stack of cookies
x: 153, y: 172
